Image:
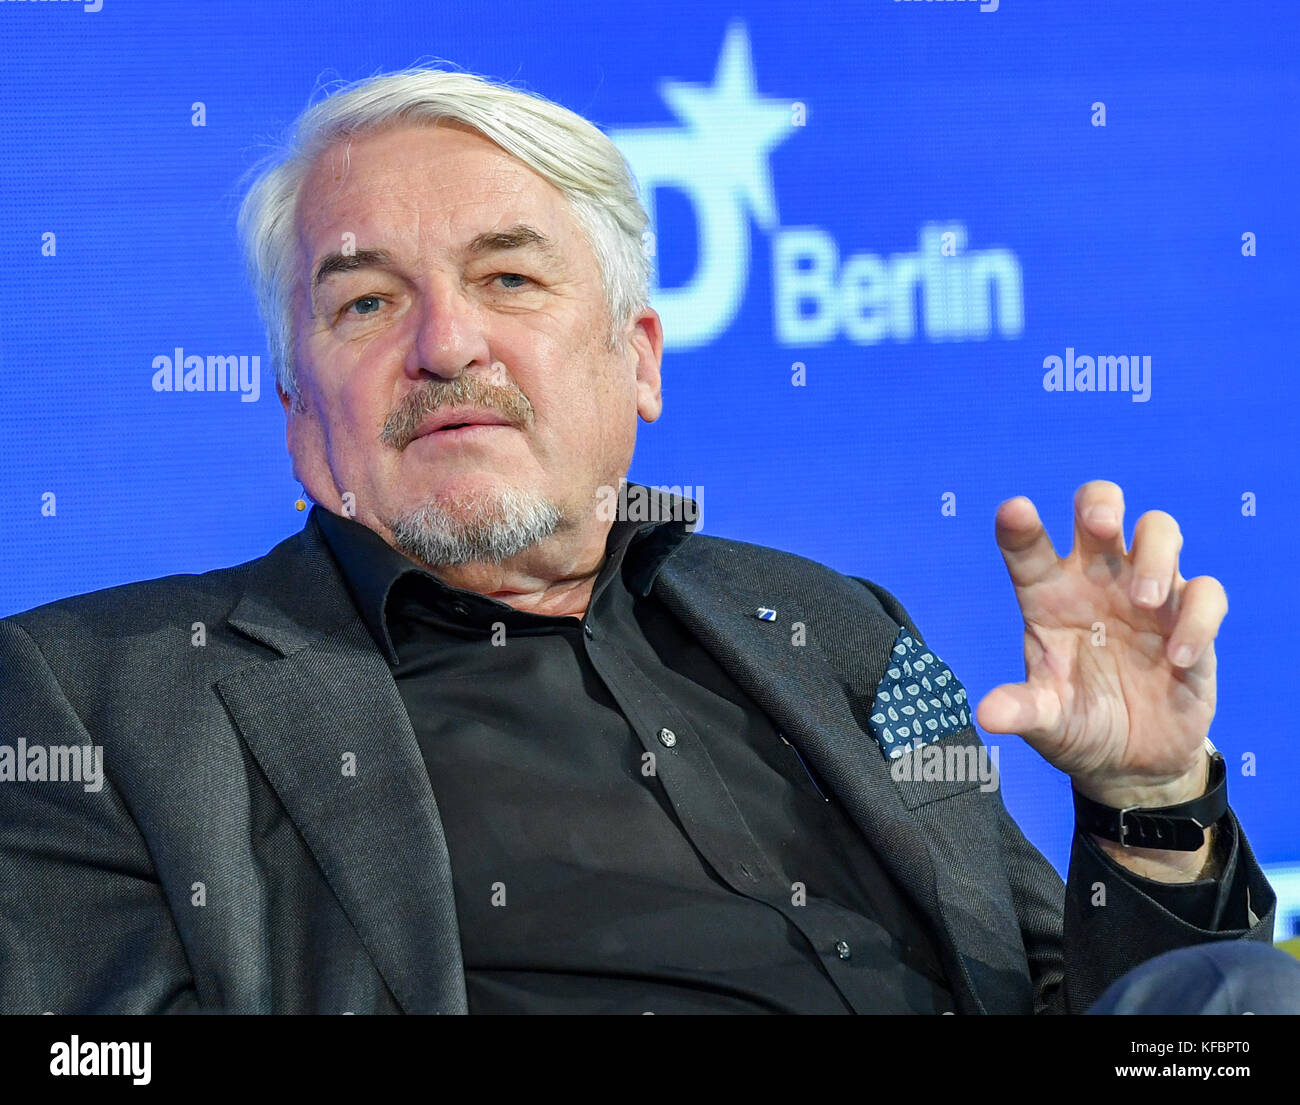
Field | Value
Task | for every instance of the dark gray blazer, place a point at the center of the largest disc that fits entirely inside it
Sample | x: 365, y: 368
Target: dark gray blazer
x: 230, y: 863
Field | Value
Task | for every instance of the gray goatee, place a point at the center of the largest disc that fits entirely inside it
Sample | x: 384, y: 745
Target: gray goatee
x: 488, y: 527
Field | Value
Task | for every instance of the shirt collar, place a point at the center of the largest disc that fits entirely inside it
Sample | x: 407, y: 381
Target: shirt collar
x: 638, y: 545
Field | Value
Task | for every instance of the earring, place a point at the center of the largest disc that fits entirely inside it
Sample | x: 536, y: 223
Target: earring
x: 301, y: 504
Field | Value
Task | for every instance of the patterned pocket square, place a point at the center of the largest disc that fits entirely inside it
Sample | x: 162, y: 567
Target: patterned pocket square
x: 919, y: 701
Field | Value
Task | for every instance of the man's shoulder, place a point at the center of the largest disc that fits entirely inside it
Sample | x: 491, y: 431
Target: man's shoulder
x: 748, y: 568
x: 131, y: 608
x: 705, y: 552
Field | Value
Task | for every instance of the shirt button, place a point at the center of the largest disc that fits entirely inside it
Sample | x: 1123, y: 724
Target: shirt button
x: 844, y: 950
x: 459, y: 609
x: 667, y: 738
x: 587, y: 630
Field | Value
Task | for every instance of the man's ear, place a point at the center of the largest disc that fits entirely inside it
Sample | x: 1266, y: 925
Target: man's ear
x: 286, y: 404
x: 647, y: 342
x: 290, y: 426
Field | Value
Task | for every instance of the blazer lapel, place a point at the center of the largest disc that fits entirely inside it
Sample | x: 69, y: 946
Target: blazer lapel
x: 328, y: 727
x: 797, y: 689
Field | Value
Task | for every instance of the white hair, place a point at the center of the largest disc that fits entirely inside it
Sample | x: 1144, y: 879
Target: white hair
x: 561, y: 146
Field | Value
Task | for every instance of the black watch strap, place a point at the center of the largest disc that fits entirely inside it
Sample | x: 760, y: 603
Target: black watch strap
x: 1178, y: 828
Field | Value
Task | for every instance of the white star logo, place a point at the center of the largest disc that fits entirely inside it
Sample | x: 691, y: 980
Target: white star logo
x: 718, y: 158
x: 735, y: 124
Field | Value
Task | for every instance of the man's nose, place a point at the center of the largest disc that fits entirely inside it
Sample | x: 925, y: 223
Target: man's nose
x: 450, y: 334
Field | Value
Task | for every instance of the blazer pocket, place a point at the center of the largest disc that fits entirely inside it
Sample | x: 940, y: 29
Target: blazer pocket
x: 944, y: 769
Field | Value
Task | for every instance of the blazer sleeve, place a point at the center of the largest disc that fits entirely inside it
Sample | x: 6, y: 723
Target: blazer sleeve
x: 1109, y: 919
x: 84, y: 924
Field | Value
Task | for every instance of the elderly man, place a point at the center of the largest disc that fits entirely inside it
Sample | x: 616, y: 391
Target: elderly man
x: 477, y: 739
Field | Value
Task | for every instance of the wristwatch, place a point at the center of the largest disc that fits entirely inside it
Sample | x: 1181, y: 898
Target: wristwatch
x: 1179, y: 828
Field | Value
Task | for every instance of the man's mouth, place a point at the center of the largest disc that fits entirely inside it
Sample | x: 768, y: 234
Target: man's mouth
x: 462, y: 427
x: 460, y: 423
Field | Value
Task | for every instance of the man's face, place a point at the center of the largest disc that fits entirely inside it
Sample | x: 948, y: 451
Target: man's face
x: 441, y: 278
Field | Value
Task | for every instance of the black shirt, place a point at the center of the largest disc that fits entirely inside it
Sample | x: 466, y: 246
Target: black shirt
x: 628, y: 833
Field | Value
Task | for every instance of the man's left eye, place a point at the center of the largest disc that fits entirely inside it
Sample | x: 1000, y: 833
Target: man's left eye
x: 511, y: 276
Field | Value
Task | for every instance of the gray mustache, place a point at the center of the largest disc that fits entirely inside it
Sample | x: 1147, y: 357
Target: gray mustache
x: 403, y: 424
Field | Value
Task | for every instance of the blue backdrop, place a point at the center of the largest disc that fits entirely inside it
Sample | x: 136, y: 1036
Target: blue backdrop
x: 874, y: 224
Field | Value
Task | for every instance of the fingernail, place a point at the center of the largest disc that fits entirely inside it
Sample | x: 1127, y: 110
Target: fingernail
x: 1147, y: 592
x: 1101, y: 516
x: 1183, y: 655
